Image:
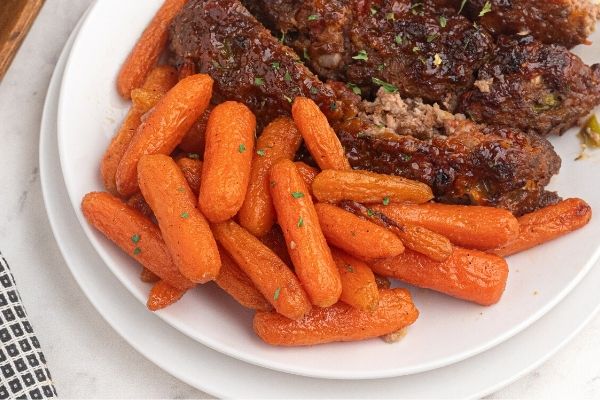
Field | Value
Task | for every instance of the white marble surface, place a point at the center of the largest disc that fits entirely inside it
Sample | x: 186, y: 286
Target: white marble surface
x: 86, y: 357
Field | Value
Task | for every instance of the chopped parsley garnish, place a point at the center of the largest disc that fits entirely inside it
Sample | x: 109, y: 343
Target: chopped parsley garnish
x: 276, y: 65
x: 297, y: 195
x: 136, y: 238
x: 242, y: 148
x: 300, y: 223
x: 259, y: 81
x: 260, y: 152
x: 487, y: 7
x: 185, y: 215
x: 443, y: 21
x: 137, y: 251
x: 431, y: 38
x: 354, y: 88
x: 333, y: 106
x: 387, y: 86
x: 313, y: 17
x: 361, y: 55
x: 180, y: 190
x: 276, y: 294
x: 370, y: 212
x: 386, y: 201
x: 462, y: 5
x: 398, y: 39
x: 287, y: 76
x: 194, y: 156
x: 314, y: 90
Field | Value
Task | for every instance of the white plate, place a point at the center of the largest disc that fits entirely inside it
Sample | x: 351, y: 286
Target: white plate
x: 447, y: 331
x: 212, y: 372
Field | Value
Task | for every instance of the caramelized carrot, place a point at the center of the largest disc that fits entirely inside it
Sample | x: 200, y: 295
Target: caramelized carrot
x: 359, y: 288
x: 368, y: 187
x: 358, y: 237
x: 237, y: 284
x: 473, y: 227
x: 164, y: 127
x: 227, y: 160
x: 307, y: 173
x: 306, y: 244
x: 184, y: 228
x: 340, y: 322
x: 148, y: 48
x: 468, y: 274
x: 138, y: 202
x: 144, y: 99
x: 547, y: 224
x: 280, y: 139
x: 194, y: 140
x: 135, y: 234
x: 148, y: 276
x: 192, y: 171
x: 163, y: 295
x: 270, y: 275
x: 320, y: 139
x: 275, y: 241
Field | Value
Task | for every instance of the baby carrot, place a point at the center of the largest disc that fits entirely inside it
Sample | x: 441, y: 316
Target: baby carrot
x: 320, y: 139
x: 138, y: 202
x: 148, y: 48
x: 307, y: 173
x: 280, y: 139
x: 148, y: 276
x: 340, y: 322
x: 546, y: 224
x: 359, y: 288
x: 237, y: 284
x: 270, y: 275
x: 227, y: 160
x: 368, y: 187
x: 306, y: 244
x: 164, y: 127
x: 468, y: 274
x: 184, y: 228
x: 163, y: 295
x: 356, y: 236
x: 192, y: 171
x: 473, y: 227
x: 275, y: 241
x: 134, y: 234
x: 194, y: 140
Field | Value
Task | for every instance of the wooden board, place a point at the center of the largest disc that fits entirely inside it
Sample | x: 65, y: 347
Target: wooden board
x: 16, y: 17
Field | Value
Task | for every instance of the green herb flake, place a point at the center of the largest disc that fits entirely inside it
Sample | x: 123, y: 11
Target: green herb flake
x: 462, y: 5
x: 297, y: 195
x: 443, y: 21
x: 386, y: 201
x: 259, y: 81
x: 431, y: 38
x: 387, y: 86
x: 137, y: 251
x: 333, y: 106
x: 354, y: 88
x: 242, y: 148
x: 136, y: 238
x: 370, y: 212
x: 300, y: 223
x: 314, y: 90
x: 349, y: 268
x: 276, y: 294
x: 390, y: 16
x: 313, y: 17
x: 487, y: 7
x: 361, y: 55
x: 276, y: 65
x: 261, y: 152
x: 399, y: 39
x: 181, y: 190
x: 185, y: 215
x: 287, y: 76
x: 381, y: 67
x: 194, y: 156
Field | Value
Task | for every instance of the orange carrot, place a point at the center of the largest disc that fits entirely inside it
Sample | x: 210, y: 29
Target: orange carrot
x: 547, y: 224
x: 468, y: 274
x: 308, y: 249
x: 307, y: 173
x: 184, y: 228
x: 138, y: 202
x: 320, y: 139
x: 134, y: 234
x: 270, y: 275
x: 227, y: 160
x: 340, y: 322
x: 163, y: 295
x: 280, y: 139
x: 358, y: 237
x: 144, y: 99
x: 148, y: 48
x: 237, y: 284
x: 164, y: 127
x: 359, y: 288
x: 194, y: 140
x: 473, y: 227
x: 368, y: 187
x: 192, y: 171
x: 148, y: 276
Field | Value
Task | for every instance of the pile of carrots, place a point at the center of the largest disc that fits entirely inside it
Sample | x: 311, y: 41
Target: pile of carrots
x: 194, y: 197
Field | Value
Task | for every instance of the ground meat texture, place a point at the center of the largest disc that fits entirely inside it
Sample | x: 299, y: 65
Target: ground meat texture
x: 534, y: 87
x: 564, y: 22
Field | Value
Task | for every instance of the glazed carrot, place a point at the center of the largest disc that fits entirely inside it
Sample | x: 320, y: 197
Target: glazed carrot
x: 307, y: 173
x: 163, y: 295
x: 306, y: 244
x: 270, y: 275
x: 359, y: 288
x: 546, y: 224
x: 417, y: 238
x: 227, y: 160
x: 382, y: 282
x: 320, y: 139
x: 134, y: 234
x: 164, y: 127
x: 468, y: 274
x: 194, y: 140
x: 184, y: 228
x: 368, y: 187
x: 340, y: 322
x: 355, y: 235
x: 192, y: 171
x: 473, y: 227
x: 160, y: 81
x: 138, y: 202
x: 148, y: 276
x: 148, y: 48
x: 275, y: 241
x: 237, y: 284
x: 145, y: 99
x: 280, y: 139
